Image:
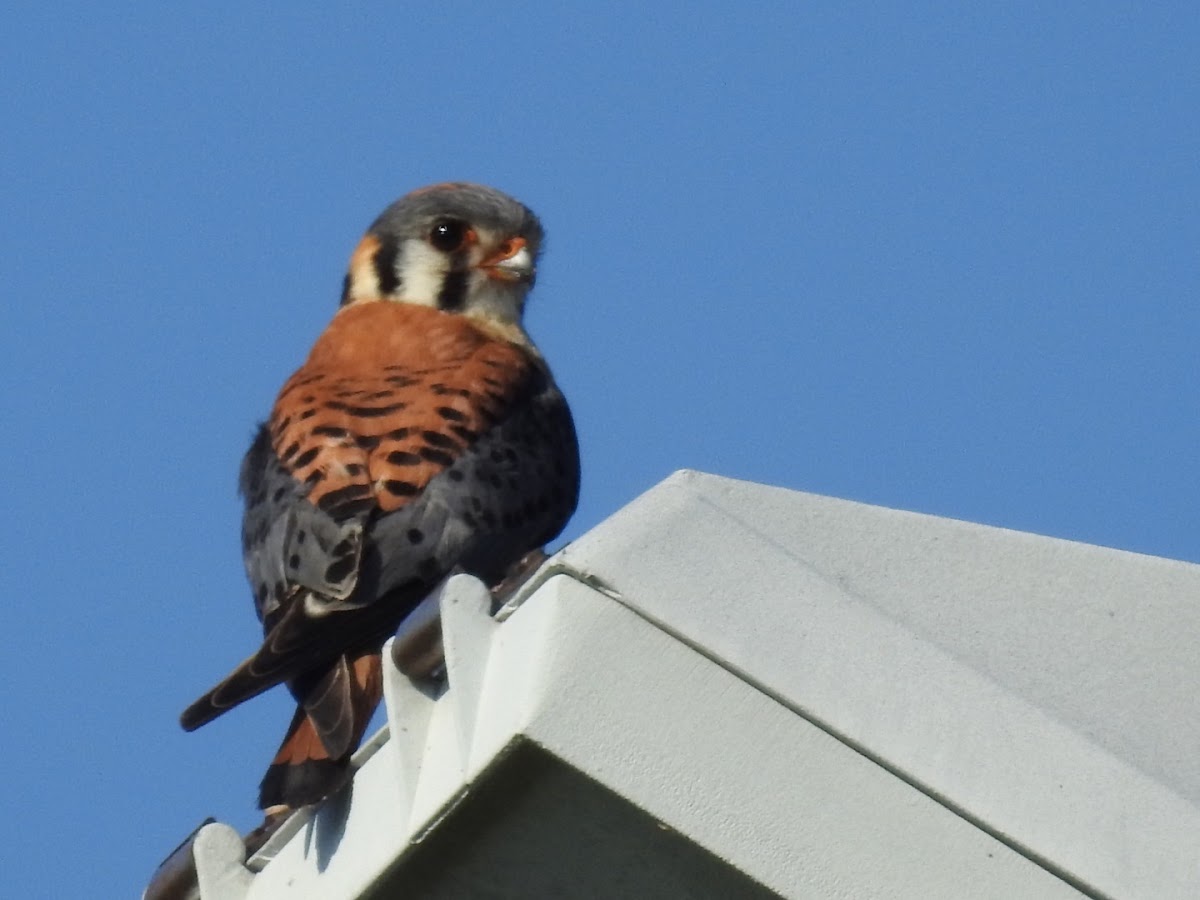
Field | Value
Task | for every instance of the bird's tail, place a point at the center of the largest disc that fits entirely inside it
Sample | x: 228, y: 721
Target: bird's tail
x: 240, y: 685
x: 313, y: 760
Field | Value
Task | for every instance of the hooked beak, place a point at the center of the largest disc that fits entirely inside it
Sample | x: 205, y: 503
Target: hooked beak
x: 511, y: 262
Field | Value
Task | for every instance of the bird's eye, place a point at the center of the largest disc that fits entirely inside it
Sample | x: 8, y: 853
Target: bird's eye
x: 449, y: 235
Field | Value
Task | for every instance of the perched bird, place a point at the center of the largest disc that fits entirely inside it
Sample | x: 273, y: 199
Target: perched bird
x: 424, y: 432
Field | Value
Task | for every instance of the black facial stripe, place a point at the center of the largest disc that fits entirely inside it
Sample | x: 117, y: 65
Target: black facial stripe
x: 453, y: 294
x: 345, y: 290
x: 385, y: 265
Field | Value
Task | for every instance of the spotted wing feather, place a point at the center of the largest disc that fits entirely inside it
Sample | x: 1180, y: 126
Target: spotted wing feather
x: 510, y: 491
x: 287, y: 542
x: 381, y: 470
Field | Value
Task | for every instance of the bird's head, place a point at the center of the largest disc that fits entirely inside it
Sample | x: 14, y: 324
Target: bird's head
x: 462, y: 248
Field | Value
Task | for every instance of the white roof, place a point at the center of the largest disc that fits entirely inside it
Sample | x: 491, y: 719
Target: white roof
x: 728, y: 688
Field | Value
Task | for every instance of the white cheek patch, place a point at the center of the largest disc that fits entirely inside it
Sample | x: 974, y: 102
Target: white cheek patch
x: 422, y: 272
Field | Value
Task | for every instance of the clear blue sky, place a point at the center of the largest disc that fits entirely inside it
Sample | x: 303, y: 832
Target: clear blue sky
x: 928, y: 256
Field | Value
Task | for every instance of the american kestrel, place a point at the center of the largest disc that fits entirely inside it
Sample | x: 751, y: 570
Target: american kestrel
x: 424, y: 432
